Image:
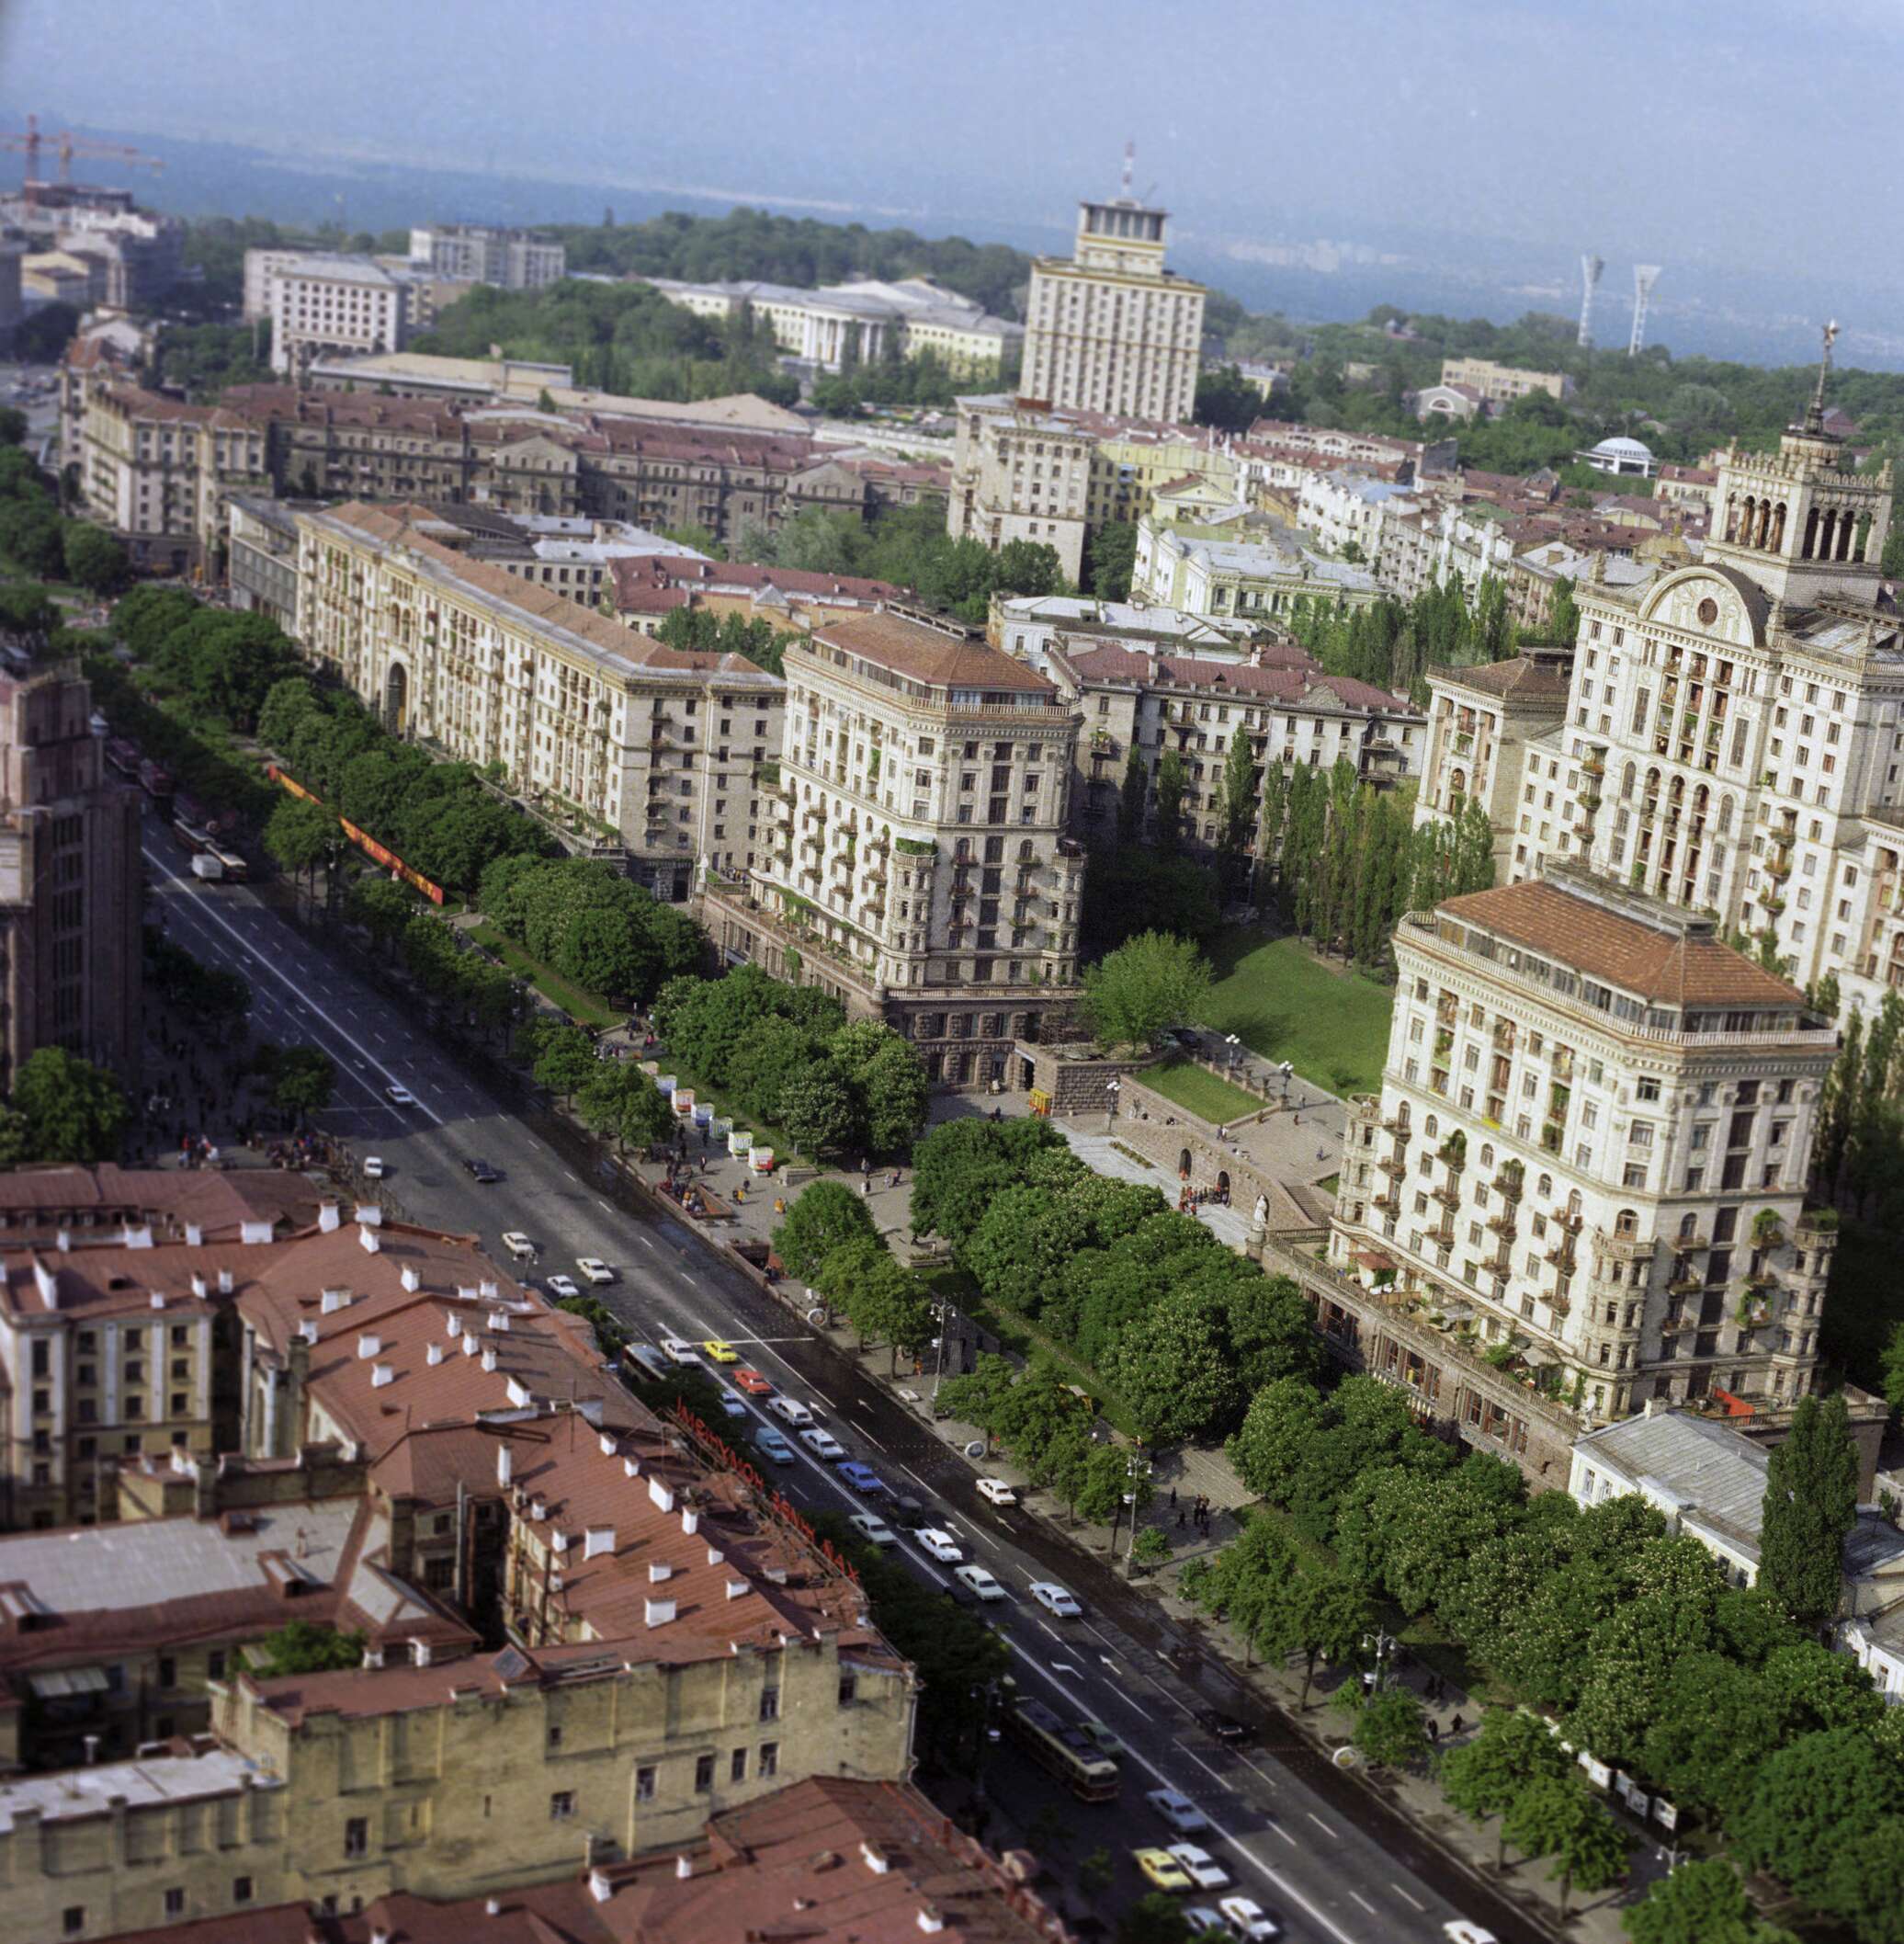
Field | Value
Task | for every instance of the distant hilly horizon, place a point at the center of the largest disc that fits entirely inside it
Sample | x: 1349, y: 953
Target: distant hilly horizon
x: 1697, y: 310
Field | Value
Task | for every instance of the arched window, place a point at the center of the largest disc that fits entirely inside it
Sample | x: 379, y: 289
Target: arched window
x: 1778, y: 519
x: 1486, y: 1156
x: 1625, y: 1223
x: 1810, y: 547
x: 1732, y: 516
x: 1402, y: 1113
x: 1543, y: 1186
x: 1688, y: 1225
x: 1573, y: 1204
x: 1431, y: 1127
x: 1026, y: 854
x: 962, y: 853
x: 1725, y: 815
x: 1627, y: 782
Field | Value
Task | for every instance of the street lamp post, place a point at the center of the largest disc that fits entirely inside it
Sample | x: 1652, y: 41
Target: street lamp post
x: 1111, y: 1090
x: 945, y: 1311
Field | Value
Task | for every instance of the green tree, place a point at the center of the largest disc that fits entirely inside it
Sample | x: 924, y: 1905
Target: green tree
x: 73, y: 1111
x: 561, y: 1058
x: 1327, y: 1612
x: 826, y: 1216
x: 1390, y: 1729
x: 1482, y: 1778
x: 93, y: 558
x: 1170, y: 1369
x: 305, y: 1081
x: 1134, y: 993
x: 1132, y: 797
x: 1241, y: 793
x: 1816, y: 1813
x: 1173, y: 779
x: 383, y: 906
x: 1563, y: 615
x: 1811, y: 1505
x: 1560, y: 1817
x: 306, y: 1647
x: 1155, y: 1919
x: 817, y: 1110
x: 298, y: 835
x: 1226, y: 399
x: 1113, y: 556
x: 1150, y: 1550
x: 1701, y: 1902
x: 620, y: 1101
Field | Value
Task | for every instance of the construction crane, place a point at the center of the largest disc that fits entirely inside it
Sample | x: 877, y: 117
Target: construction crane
x: 67, y: 145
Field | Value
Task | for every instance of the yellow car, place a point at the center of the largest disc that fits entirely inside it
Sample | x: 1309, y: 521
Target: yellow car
x: 1162, y: 1869
x: 720, y: 1352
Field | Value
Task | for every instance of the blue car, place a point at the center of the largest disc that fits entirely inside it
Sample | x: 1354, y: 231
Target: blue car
x: 864, y: 1480
x: 774, y: 1444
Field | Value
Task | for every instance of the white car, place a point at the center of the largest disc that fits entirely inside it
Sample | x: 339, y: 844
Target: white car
x: 677, y: 1352
x: 732, y: 1403
x: 1249, y: 1920
x: 937, y: 1545
x: 399, y: 1096
x: 875, y: 1530
x: 823, y: 1444
x: 995, y: 1491
x: 1463, y: 1930
x: 564, y: 1287
x: 1178, y: 1811
x: 792, y: 1410
x: 980, y: 1584
x: 1200, y: 1866
x: 518, y: 1243
x: 374, y: 1168
x: 594, y: 1269
x: 1053, y: 1598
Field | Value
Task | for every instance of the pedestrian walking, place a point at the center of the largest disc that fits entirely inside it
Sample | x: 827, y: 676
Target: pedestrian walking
x: 1173, y: 1498
x: 1180, y: 1518
x: 1454, y: 1726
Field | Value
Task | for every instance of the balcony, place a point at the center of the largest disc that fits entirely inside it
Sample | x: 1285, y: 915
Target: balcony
x: 1504, y: 1224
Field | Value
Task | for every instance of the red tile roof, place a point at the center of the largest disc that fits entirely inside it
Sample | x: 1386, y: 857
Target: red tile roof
x: 938, y: 660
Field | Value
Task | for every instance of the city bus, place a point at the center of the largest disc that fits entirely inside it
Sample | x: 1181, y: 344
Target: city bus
x: 1062, y: 1748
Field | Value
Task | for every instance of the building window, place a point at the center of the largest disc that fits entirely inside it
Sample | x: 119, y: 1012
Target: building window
x: 356, y: 1836
x: 645, y: 1785
x: 561, y: 1805
x: 768, y: 1762
x: 849, y: 1689
x: 175, y: 1903
x: 770, y: 1704
x: 703, y: 1774
x: 737, y: 1766
x: 241, y: 1890
x: 72, y: 1920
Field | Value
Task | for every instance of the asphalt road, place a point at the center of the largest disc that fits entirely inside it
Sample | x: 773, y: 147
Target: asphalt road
x: 1311, y: 1845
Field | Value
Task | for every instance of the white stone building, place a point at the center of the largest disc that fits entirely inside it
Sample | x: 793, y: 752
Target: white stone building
x: 320, y: 305
x: 480, y: 253
x: 1258, y: 573
x: 1592, y: 1145
x: 1021, y: 472
x: 628, y: 748
x: 1111, y: 330
x: 916, y: 863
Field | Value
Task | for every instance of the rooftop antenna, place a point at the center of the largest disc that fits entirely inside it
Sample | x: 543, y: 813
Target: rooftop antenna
x: 1815, y: 412
x: 1129, y: 166
x: 1645, y: 275
x: 1590, y: 266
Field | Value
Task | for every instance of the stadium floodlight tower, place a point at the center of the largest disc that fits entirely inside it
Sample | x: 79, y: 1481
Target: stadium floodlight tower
x: 1590, y: 266
x: 1645, y: 275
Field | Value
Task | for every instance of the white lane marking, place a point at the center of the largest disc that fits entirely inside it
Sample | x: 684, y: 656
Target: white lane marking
x: 1212, y: 1773
x: 1404, y: 1895
x: 915, y: 1477
x: 1137, y: 1706
x: 1321, y: 1825
x: 1054, y: 1633
x: 1282, y: 1883
x: 1294, y: 1845
x: 601, y: 1204
x: 866, y: 1435
x: 349, y: 1038
x: 1365, y: 1902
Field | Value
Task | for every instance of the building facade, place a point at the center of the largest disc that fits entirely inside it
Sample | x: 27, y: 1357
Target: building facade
x: 71, y: 888
x: 1251, y: 573
x: 1110, y: 329
x: 629, y: 749
x: 1021, y: 472
x: 480, y: 252
x: 1592, y: 1146
x: 918, y: 865
x: 1500, y: 385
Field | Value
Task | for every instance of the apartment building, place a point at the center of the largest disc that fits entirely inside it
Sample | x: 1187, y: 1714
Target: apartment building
x: 1132, y: 463
x: 1592, y: 1146
x: 70, y: 895
x: 627, y: 747
x: 1021, y: 472
x: 1146, y: 700
x: 1248, y: 572
x: 644, y: 589
x: 1110, y: 329
x: 1026, y: 624
x: 1500, y: 385
x: 138, y: 256
x: 861, y: 322
x: 320, y: 304
x: 1733, y: 738
x: 918, y: 866
x: 480, y: 253
x: 1481, y: 723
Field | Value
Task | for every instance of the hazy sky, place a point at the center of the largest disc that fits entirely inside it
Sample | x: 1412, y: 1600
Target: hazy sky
x: 1755, y: 131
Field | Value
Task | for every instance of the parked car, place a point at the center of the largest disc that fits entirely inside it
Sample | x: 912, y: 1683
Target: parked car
x: 1248, y: 1920
x: 1054, y: 1599
x: 594, y: 1269
x: 563, y: 1288
x: 1200, y: 1866
x: 374, y: 1169
x: 753, y: 1383
x: 937, y: 1545
x: 481, y: 1171
x: 1161, y: 1868
x: 994, y: 1491
x: 823, y: 1445
x: 773, y: 1442
x: 685, y: 1355
x: 864, y: 1480
x: 732, y: 1403
x: 909, y: 1513
x: 875, y: 1530
x: 1223, y: 1727
x: 518, y: 1243
x: 980, y: 1584
x: 1178, y: 1811
x: 792, y: 1410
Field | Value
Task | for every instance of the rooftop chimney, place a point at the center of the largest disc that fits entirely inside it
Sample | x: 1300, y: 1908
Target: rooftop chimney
x: 200, y: 1286
x: 368, y: 1214
x: 194, y: 1236
x: 538, y: 1507
x: 225, y: 1282
x: 368, y: 1345
x: 411, y: 1279
x: 334, y: 1300
x: 691, y: 1521
x: 599, y: 1887
x: 249, y: 1232
x: 158, y: 1298
x: 456, y: 1325
x: 433, y: 1354
x: 330, y: 1217
x: 598, y: 1540
x: 63, y: 1240
x: 930, y: 1921
x: 505, y: 1466
x: 607, y: 1444
x: 877, y: 1860
x: 381, y: 1374
x: 47, y: 1283
x: 683, y: 1867
x: 499, y: 1319
x: 659, y: 1570
x: 139, y: 1237
x: 489, y: 1359
x: 663, y: 1496
x: 631, y: 1467
x: 660, y: 1612
x: 367, y: 1236
x: 472, y: 1345
x: 492, y: 1907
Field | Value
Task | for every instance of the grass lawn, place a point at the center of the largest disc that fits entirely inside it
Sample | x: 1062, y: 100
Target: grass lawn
x: 1331, y: 1026
x: 1202, y: 1092
x: 583, y: 1006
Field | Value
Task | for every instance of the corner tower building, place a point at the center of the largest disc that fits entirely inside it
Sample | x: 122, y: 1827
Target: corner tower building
x: 1111, y: 330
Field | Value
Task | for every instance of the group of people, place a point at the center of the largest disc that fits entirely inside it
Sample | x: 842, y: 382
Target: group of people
x: 1190, y: 1197
x: 1197, y: 1508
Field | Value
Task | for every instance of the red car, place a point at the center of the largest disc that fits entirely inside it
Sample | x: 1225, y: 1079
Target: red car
x: 753, y: 1383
